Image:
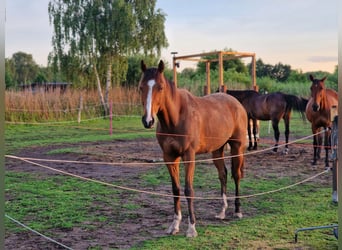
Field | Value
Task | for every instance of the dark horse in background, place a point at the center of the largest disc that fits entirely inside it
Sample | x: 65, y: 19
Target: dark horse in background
x: 318, y: 112
x: 265, y: 107
x: 190, y: 125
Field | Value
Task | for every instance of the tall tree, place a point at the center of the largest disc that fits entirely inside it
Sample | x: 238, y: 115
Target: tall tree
x: 100, y: 34
x: 280, y: 72
x: 24, y: 67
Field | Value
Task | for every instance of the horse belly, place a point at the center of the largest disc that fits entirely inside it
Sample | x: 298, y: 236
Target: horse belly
x: 212, y: 142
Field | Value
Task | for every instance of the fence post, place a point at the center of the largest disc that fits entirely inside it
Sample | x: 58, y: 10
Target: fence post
x: 333, y: 156
x: 111, y: 118
x: 80, y: 109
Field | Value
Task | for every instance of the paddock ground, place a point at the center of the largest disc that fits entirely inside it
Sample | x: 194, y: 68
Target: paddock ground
x: 154, y: 214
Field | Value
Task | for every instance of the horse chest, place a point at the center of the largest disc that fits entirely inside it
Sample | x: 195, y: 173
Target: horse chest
x: 320, y: 118
x: 172, y: 145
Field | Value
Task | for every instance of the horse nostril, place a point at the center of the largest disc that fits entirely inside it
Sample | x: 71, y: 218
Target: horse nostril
x: 147, y: 124
x: 151, y: 122
x: 315, y: 107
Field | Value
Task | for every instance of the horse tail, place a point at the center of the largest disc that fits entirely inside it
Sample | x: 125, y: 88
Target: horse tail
x: 296, y: 103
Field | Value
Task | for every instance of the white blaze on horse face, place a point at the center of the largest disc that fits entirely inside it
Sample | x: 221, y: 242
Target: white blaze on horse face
x: 150, y: 85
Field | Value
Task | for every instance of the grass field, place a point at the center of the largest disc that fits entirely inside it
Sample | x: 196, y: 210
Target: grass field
x: 44, y: 202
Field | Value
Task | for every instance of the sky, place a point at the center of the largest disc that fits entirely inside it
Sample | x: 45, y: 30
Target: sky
x: 301, y: 33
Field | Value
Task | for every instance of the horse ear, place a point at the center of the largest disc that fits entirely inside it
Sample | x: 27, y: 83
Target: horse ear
x: 143, y: 66
x: 323, y: 79
x: 161, y: 66
x: 311, y: 77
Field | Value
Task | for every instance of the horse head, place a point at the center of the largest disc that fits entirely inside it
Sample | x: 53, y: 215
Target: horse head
x: 151, y: 88
x: 317, y: 93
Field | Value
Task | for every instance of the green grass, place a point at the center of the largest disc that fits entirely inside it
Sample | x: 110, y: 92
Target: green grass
x: 20, y: 136
x: 53, y: 202
x: 275, y: 216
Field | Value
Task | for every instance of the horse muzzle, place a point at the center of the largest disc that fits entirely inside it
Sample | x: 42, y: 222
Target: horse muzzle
x: 315, y: 107
x: 147, y: 123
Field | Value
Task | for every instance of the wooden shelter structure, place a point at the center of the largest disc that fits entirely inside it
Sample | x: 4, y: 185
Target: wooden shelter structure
x: 220, y: 57
x: 45, y: 87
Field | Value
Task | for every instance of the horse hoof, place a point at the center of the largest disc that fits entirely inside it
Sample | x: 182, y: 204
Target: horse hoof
x: 172, y: 231
x: 220, y: 216
x: 314, y: 163
x: 191, y: 235
x: 238, y: 215
x: 191, y: 232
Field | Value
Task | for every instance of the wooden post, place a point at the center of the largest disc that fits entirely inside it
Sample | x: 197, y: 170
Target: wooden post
x: 207, y: 70
x: 253, y: 73
x: 174, y: 70
x: 334, y: 143
x: 338, y: 167
x: 111, y: 118
x: 220, y: 59
x: 80, y: 109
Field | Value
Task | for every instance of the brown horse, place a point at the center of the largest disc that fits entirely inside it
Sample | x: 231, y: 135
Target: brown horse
x: 190, y: 125
x: 318, y: 113
x: 273, y: 106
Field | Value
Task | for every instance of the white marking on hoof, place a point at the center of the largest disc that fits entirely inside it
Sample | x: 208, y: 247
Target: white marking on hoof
x: 335, y: 197
x: 238, y: 215
x: 191, y: 232
x: 222, y: 214
x: 174, y: 227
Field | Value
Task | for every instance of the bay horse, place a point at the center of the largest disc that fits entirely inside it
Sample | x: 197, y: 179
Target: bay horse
x: 318, y: 113
x: 273, y: 106
x: 190, y: 125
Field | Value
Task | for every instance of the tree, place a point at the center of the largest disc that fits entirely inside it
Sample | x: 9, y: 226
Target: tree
x: 9, y: 74
x: 24, y: 68
x: 279, y: 72
x: 100, y: 34
x: 235, y: 64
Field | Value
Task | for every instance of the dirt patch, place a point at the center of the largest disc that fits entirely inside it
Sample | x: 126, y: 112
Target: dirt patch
x: 154, y: 214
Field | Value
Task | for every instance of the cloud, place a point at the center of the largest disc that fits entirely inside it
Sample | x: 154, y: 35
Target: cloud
x: 320, y: 59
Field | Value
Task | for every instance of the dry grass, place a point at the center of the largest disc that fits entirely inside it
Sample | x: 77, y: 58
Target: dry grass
x: 55, y: 106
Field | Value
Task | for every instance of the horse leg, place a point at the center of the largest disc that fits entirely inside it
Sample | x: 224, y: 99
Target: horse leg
x: 222, y: 174
x: 189, y: 158
x: 320, y: 143
x: 249, y: 134
x: 287, y: 131
x: 237, y: 150
x: 174, y: 174
x: 327, y: 146
x: 316, y: 146
x: 254, y: 134
x: 276, y: 133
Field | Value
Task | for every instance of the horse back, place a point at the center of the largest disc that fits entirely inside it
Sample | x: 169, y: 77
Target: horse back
x: 332, y: 97
x: 227, y: 118
x: 205, y: 123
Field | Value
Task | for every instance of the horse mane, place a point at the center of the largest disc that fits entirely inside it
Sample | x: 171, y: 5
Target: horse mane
x: 172, y: 86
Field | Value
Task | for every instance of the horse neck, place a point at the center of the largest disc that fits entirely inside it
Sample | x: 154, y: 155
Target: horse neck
x: 168, y: 114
